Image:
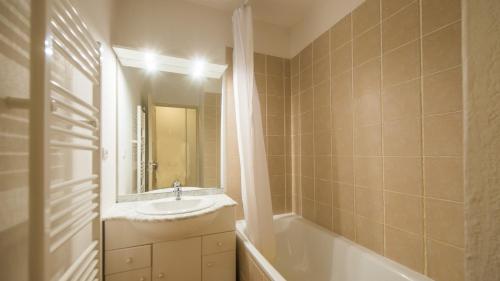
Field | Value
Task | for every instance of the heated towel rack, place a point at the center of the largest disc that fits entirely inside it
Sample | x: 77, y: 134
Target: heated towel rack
x: 65, y: 229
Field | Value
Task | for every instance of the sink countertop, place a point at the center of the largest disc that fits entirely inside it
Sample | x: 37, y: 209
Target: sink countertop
x: 127, y: 210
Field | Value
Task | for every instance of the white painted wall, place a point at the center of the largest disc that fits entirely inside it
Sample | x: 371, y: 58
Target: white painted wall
x: 322, y: 16
x: 183, y: 29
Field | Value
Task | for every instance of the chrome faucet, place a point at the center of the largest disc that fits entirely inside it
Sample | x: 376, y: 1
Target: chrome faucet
x: 177, y: 189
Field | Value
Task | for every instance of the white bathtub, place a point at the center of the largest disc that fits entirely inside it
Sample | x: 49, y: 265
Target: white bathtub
x: 306, y: 252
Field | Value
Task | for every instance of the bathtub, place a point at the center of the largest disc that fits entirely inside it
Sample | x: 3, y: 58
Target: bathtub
x: 306, y: 252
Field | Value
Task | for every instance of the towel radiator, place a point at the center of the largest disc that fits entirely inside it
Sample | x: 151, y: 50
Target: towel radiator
x: 65, y: 228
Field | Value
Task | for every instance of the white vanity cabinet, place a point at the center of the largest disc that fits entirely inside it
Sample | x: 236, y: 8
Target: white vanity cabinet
x: 133, y: 252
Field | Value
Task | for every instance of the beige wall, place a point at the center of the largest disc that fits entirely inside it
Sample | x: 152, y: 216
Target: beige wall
x: 184, y: 29
x: 377, y: 132
x: 482, y: 132
x: 14, y: 141
x: 210, y: 139
x: 273, y: 85
x: 321, y: 15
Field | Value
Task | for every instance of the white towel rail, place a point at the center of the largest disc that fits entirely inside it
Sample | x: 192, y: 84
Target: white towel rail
x: 66, y: 120
x: 87, y: 254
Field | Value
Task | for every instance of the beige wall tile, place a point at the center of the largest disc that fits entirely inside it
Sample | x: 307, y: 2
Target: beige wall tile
x: 341, y: 32
x: 324, y: 216
x: 295, y: 65
x: 342, y: 59
x: 389, y: 7
x: 443, y: 92
x: 405, y: 248
x: 365, y: 16
x: 366, y: 46
x: 323, y: 192
x: 277, y: 183
x: 306, y: 78
x: 307, y: 122
x: 401, y: 28
x: 275, y: 145
x: 322, y: 95
x: 322, y: 167
x: 369, y: 203
x: 343, y: 223
x: 401, y: 64
x: 307, y: 166
x: 276, y: 165
x: 322, y: 143
x: 444, y: 178
x: 370, y: 234
x: 260, y: 81
x: 403, y: 137
x: 445, y: 221
x: 307, y: 145
x: 275, y: 105
x: 343, y: 169
x: 402, y: 101
x: 368, y: 172
x: 295, y: 84
x: 368, y: 141
x: 437, y: 13
x: 322, y: 121
x: 307, y: 185
x: 275, y: 85
x: 306, y: 100
x: 367, y: 109
x: 442, y: 49
x: 445, y: 263
x: 321, y: 70
x: 342, y: 141
x: 367, y: 79
x: 403, y: 174
x: 306, y: 57
x: 443, y: 135
x: 404, y: 212
x: 343, y: 197
x: 342, y: 87
x: 275, y: 125
x: 321, y: 46
x: 308, y: 210
x: 259, y: 63
x: 275, y: 66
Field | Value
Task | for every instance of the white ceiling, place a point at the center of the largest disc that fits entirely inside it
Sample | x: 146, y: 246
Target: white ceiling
x: 279, y: 12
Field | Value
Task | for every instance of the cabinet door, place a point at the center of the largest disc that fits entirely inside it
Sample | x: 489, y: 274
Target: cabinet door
x: 219, y: 267
x: 177, y: 260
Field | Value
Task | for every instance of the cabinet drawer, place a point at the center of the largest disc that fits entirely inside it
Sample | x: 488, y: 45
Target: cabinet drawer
x: 135, y: 275
x: 217, y: 243
x: 127, y: 259
x: 220, y: 267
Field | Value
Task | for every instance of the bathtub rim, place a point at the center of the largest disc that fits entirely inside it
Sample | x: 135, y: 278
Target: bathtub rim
x: 271, y: 272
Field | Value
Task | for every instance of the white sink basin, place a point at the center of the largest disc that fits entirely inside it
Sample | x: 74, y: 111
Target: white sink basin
x: 171, y: 206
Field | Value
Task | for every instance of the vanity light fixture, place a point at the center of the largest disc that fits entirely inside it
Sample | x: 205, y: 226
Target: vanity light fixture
x: 149, y: 60
x: 157, y: 62
x: 198, y: 68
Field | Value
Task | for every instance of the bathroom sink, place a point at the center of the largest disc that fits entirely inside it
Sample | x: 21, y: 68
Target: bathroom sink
x: 171, y: 206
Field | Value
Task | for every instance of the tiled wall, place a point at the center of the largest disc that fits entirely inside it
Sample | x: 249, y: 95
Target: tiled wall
x: 272, y: 75
x: 211, y: 140
x: 376, y: 119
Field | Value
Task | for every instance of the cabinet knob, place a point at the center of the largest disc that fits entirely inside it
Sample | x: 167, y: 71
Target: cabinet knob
x: 161, y: 275
x: 128, y: 260
x: 219, y: 244
x: 142, y: 279
x: 210, y: 264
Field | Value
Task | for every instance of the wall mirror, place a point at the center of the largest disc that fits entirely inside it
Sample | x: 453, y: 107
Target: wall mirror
x: 169, y: 122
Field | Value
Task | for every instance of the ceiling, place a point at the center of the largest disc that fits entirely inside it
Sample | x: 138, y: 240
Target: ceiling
x: 284, y: 13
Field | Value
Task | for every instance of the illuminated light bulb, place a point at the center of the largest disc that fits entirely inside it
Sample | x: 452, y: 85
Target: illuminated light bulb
x: 149, y: 59
x: 198, y: 68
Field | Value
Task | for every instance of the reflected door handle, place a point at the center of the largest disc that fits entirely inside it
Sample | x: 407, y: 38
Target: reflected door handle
x: 154, y: 165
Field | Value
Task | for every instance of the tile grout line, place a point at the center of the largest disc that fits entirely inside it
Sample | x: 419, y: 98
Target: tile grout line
x: 384, y: 246
x: 353, y: 124
x: 424, y: 217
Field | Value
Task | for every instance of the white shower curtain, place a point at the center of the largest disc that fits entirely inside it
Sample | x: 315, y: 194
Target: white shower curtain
x: 255, y: 190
